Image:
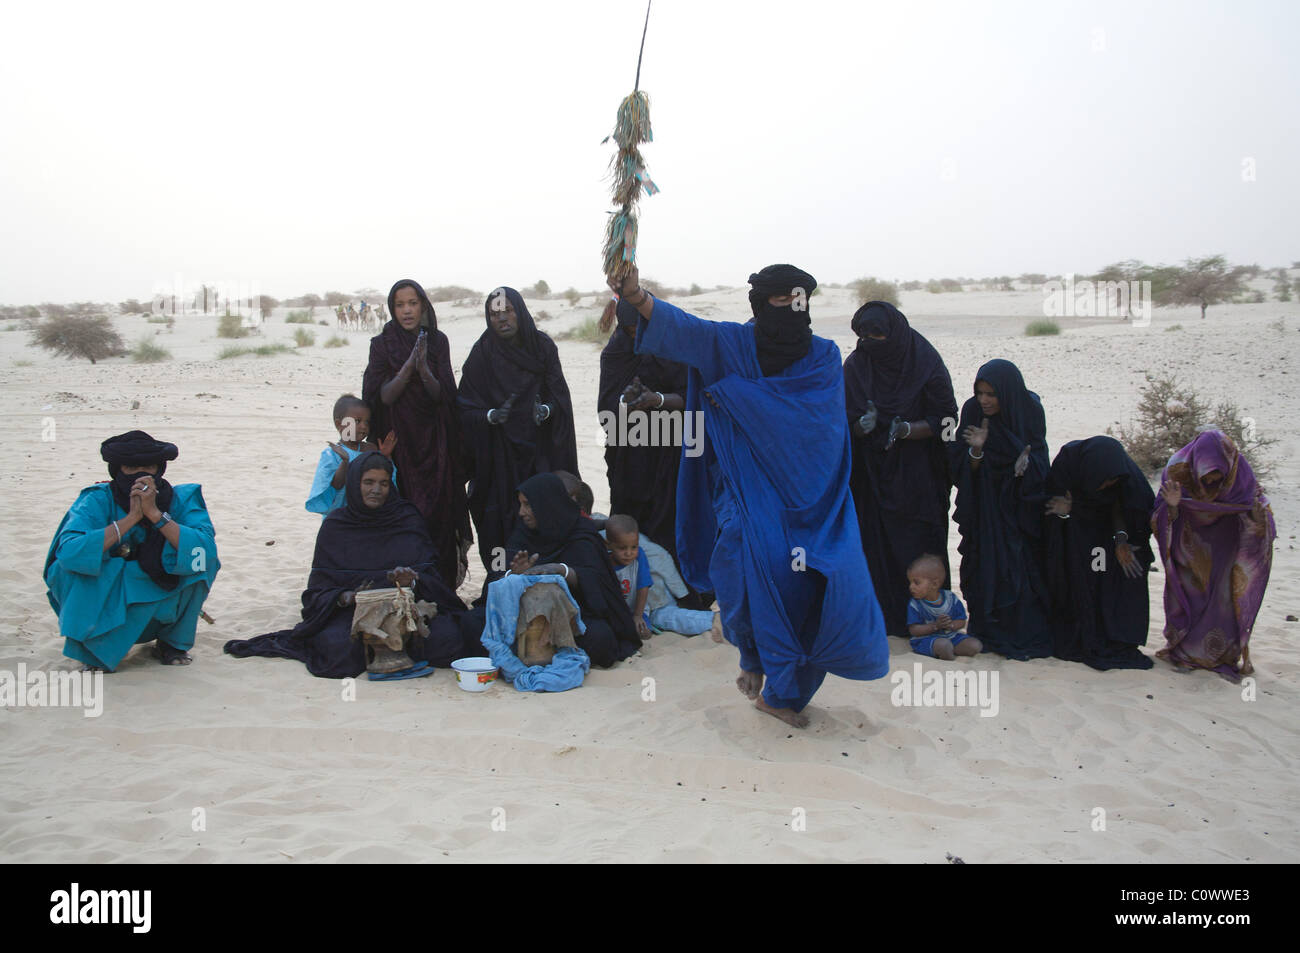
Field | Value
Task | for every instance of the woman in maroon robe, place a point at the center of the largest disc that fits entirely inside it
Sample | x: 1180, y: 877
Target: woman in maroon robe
x: 411, y: 391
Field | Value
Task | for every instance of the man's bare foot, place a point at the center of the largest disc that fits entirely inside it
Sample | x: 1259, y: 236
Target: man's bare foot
x: 716, y: 631
x: 787, y: 715
x: 750, y: 683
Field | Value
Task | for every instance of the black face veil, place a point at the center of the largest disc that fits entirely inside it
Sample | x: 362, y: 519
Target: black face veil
x: 783, y: 334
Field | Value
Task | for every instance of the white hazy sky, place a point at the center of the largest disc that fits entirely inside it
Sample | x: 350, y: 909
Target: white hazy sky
x: 316, y: 146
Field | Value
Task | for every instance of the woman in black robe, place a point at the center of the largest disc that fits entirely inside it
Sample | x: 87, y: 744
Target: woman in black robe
x: 1098, y: 554
x: 516, y: 416
x: 999, y: 465
x: 411, y: 392
x: 900, y: 402
x: 551, y: 530
x: 358, y: 546
x: 642, y: 480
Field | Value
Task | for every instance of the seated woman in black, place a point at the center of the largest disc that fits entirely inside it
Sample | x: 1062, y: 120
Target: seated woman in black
x: 374, y: 540
x: 1098, y: 554
x: 553, y: 534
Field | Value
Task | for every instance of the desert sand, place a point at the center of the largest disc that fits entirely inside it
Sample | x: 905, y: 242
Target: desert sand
x: 285, y: 770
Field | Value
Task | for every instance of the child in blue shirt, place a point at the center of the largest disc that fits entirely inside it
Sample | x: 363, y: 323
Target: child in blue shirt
x: 352, y: 421
x: 935, y: 616
x: 642, y: 590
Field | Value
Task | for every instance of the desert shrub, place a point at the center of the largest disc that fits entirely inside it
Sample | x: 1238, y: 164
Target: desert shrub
x: 265, y: 350
x: 1035, y: 329
x: 1174, y: 327
x: 22, y: 362
x: 92, y: 337
x: 912, y: 285
x: 335, y: 298
x: 450, y: 293
x: 304, y: 338
x: 541, y: 316
x: 231, y: 326
x: 132, y: 306
x: 146, y: 351
x: 336, y: 341
x: 875, y: 289
x: 161, y: 319
x: 573, y: 296
x: 694, y: 290
x: 297, y: 317
x: 586, y: 330
x: 1169, y: 415
x: 539, y: 290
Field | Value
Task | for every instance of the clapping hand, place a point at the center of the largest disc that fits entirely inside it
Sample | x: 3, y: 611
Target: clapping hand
x: 976, y: 437
x: 1059, y: 505
x: 1127, y: 558
x: 1172, y: 493
x: 1022, y: 461
x: 895, y: 430
x: 403, y: 576
x: 522, y: 562
x: 388, y: 443
x: 500, y: 415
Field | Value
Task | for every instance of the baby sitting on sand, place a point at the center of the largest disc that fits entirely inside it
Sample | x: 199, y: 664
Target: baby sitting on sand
x: 934, y: 610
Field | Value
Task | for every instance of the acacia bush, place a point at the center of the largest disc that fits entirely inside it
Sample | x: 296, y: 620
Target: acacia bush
x: 1170, y: 415
x: 91, y: 337
x: 875, y: 289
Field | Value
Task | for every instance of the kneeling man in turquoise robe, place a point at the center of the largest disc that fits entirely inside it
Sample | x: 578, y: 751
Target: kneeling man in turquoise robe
x: 133, y: 559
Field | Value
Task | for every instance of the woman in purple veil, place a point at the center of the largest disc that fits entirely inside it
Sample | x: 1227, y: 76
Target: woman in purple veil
x: 1215, y: 531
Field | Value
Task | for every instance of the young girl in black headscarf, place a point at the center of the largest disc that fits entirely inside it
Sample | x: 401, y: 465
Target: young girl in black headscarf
x: 516, y: 416
x: 999, y: 465
x: 411, y: 391
x: 1098, y: 554
x: 899, y: 399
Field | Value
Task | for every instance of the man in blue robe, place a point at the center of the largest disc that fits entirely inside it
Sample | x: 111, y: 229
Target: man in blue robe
x: 764, y: 514
x: 133, y: 559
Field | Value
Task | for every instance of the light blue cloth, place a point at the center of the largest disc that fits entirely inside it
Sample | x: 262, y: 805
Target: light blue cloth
x: 570, y: 665
x: 323, y: 497
x: 683, y: 621
x: 106, y: 604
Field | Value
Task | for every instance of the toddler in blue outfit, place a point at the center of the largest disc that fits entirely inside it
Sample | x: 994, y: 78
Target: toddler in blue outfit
x: 935, y: 616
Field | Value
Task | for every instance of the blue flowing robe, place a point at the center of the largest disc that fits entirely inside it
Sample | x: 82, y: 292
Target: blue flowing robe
x: 106, y: 604
x: 764, y: 514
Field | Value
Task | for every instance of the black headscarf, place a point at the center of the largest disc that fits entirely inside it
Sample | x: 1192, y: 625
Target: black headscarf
x: 556, y: 512
x: 136, y: 448
x: 1019, y: 422
x: 1082, y: 466
x: 354, y: 510
x: 893, y: 373
x: 783, y: 335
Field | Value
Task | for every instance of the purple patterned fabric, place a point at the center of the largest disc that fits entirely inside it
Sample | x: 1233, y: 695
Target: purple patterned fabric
x: 1217, y: 549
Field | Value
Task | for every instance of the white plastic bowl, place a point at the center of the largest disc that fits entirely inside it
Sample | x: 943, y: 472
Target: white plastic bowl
x: 474, y: 674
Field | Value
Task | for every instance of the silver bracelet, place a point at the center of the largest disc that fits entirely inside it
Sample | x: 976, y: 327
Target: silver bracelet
x: 908, y: 435
x: 566, y: 570
x: 117, y: 530
x: 970, y: 452
x: 661, y: 399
